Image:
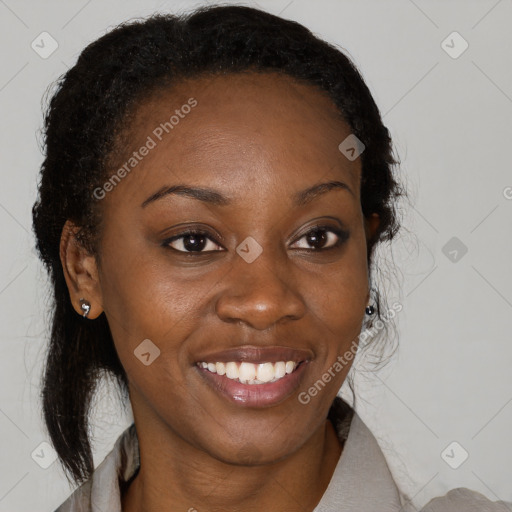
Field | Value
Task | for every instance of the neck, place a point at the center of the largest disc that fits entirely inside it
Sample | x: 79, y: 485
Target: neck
x: 188, y: 479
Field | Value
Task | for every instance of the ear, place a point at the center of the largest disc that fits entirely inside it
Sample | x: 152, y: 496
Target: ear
x: 371, y: 224
x: 80, y: 272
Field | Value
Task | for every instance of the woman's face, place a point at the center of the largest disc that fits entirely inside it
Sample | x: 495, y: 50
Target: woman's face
x: 259, y: 284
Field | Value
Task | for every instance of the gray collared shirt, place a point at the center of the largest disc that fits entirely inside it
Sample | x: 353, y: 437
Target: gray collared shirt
x: 361, y: 481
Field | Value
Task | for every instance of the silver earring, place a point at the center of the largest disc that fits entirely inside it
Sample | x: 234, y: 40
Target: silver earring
x: 85, y: 305
x: 370, y: 309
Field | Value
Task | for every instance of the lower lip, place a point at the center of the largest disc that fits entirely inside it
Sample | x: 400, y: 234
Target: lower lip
x: 254, y: 395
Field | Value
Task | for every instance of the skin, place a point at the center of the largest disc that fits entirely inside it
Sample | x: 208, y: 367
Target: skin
x: 258, y: 139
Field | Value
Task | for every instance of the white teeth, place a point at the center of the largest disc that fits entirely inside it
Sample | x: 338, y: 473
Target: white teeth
x: 280, y: 369
x: 246, y: 372
x: 249, y: 373
x: 221, y: 368
x: 266, y: 372
x: 232, y: 371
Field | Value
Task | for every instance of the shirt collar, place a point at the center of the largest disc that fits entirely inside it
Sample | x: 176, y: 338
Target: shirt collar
x: 361, y: 479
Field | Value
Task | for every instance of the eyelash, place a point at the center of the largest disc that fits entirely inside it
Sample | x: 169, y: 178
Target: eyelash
x: 341, y: 234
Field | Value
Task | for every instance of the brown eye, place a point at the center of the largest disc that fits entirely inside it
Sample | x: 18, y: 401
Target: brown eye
x: 324, y: 237
x: 192, y: 241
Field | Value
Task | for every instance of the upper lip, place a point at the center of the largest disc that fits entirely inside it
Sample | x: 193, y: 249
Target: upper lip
x: 252, y: 354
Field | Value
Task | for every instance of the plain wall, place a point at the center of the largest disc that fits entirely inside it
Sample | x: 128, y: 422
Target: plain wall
x: 451, y: 120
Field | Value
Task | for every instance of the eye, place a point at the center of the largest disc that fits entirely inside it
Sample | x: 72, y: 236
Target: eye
x: 192, y: 240
x: 323, y: 238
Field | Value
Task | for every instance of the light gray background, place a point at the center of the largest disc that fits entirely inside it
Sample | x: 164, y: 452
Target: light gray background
x: 451, y: 123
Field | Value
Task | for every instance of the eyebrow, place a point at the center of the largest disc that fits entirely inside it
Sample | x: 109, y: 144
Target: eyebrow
x: 211, y: 196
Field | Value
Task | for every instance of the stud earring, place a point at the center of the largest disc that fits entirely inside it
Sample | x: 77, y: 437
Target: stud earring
x: 85, y: 305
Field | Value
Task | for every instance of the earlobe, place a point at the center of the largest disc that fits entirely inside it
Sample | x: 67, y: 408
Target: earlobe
x: 80, y: 272
x: 371, y: 225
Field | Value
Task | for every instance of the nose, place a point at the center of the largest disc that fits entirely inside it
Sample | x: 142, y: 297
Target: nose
x: 260, y: 294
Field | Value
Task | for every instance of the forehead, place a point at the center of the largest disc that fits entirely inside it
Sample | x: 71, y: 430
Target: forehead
x: 249, y: 128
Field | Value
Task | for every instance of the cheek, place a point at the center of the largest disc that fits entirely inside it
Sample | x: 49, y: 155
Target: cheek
x: 149, y: 298
x: 139, y: 284
x: 338, y: 297
x: 149, y: 304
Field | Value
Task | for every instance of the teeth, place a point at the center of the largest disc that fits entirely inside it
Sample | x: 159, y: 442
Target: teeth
x: 266, y: 372
x: 246, y: 372
x: 280, y: 369
x: 232, y: 371
x: 249, y: 373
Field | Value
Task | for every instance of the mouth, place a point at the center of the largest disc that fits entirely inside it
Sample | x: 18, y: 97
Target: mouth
x: 252, y: 376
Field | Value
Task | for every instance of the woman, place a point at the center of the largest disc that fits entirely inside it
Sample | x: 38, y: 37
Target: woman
x: 213, y: 191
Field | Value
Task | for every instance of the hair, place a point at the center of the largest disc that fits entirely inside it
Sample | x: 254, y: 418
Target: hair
x: 82, y: 121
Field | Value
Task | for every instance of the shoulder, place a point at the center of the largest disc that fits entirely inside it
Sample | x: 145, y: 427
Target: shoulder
x: 467, y: 501
x: 103, y: 490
